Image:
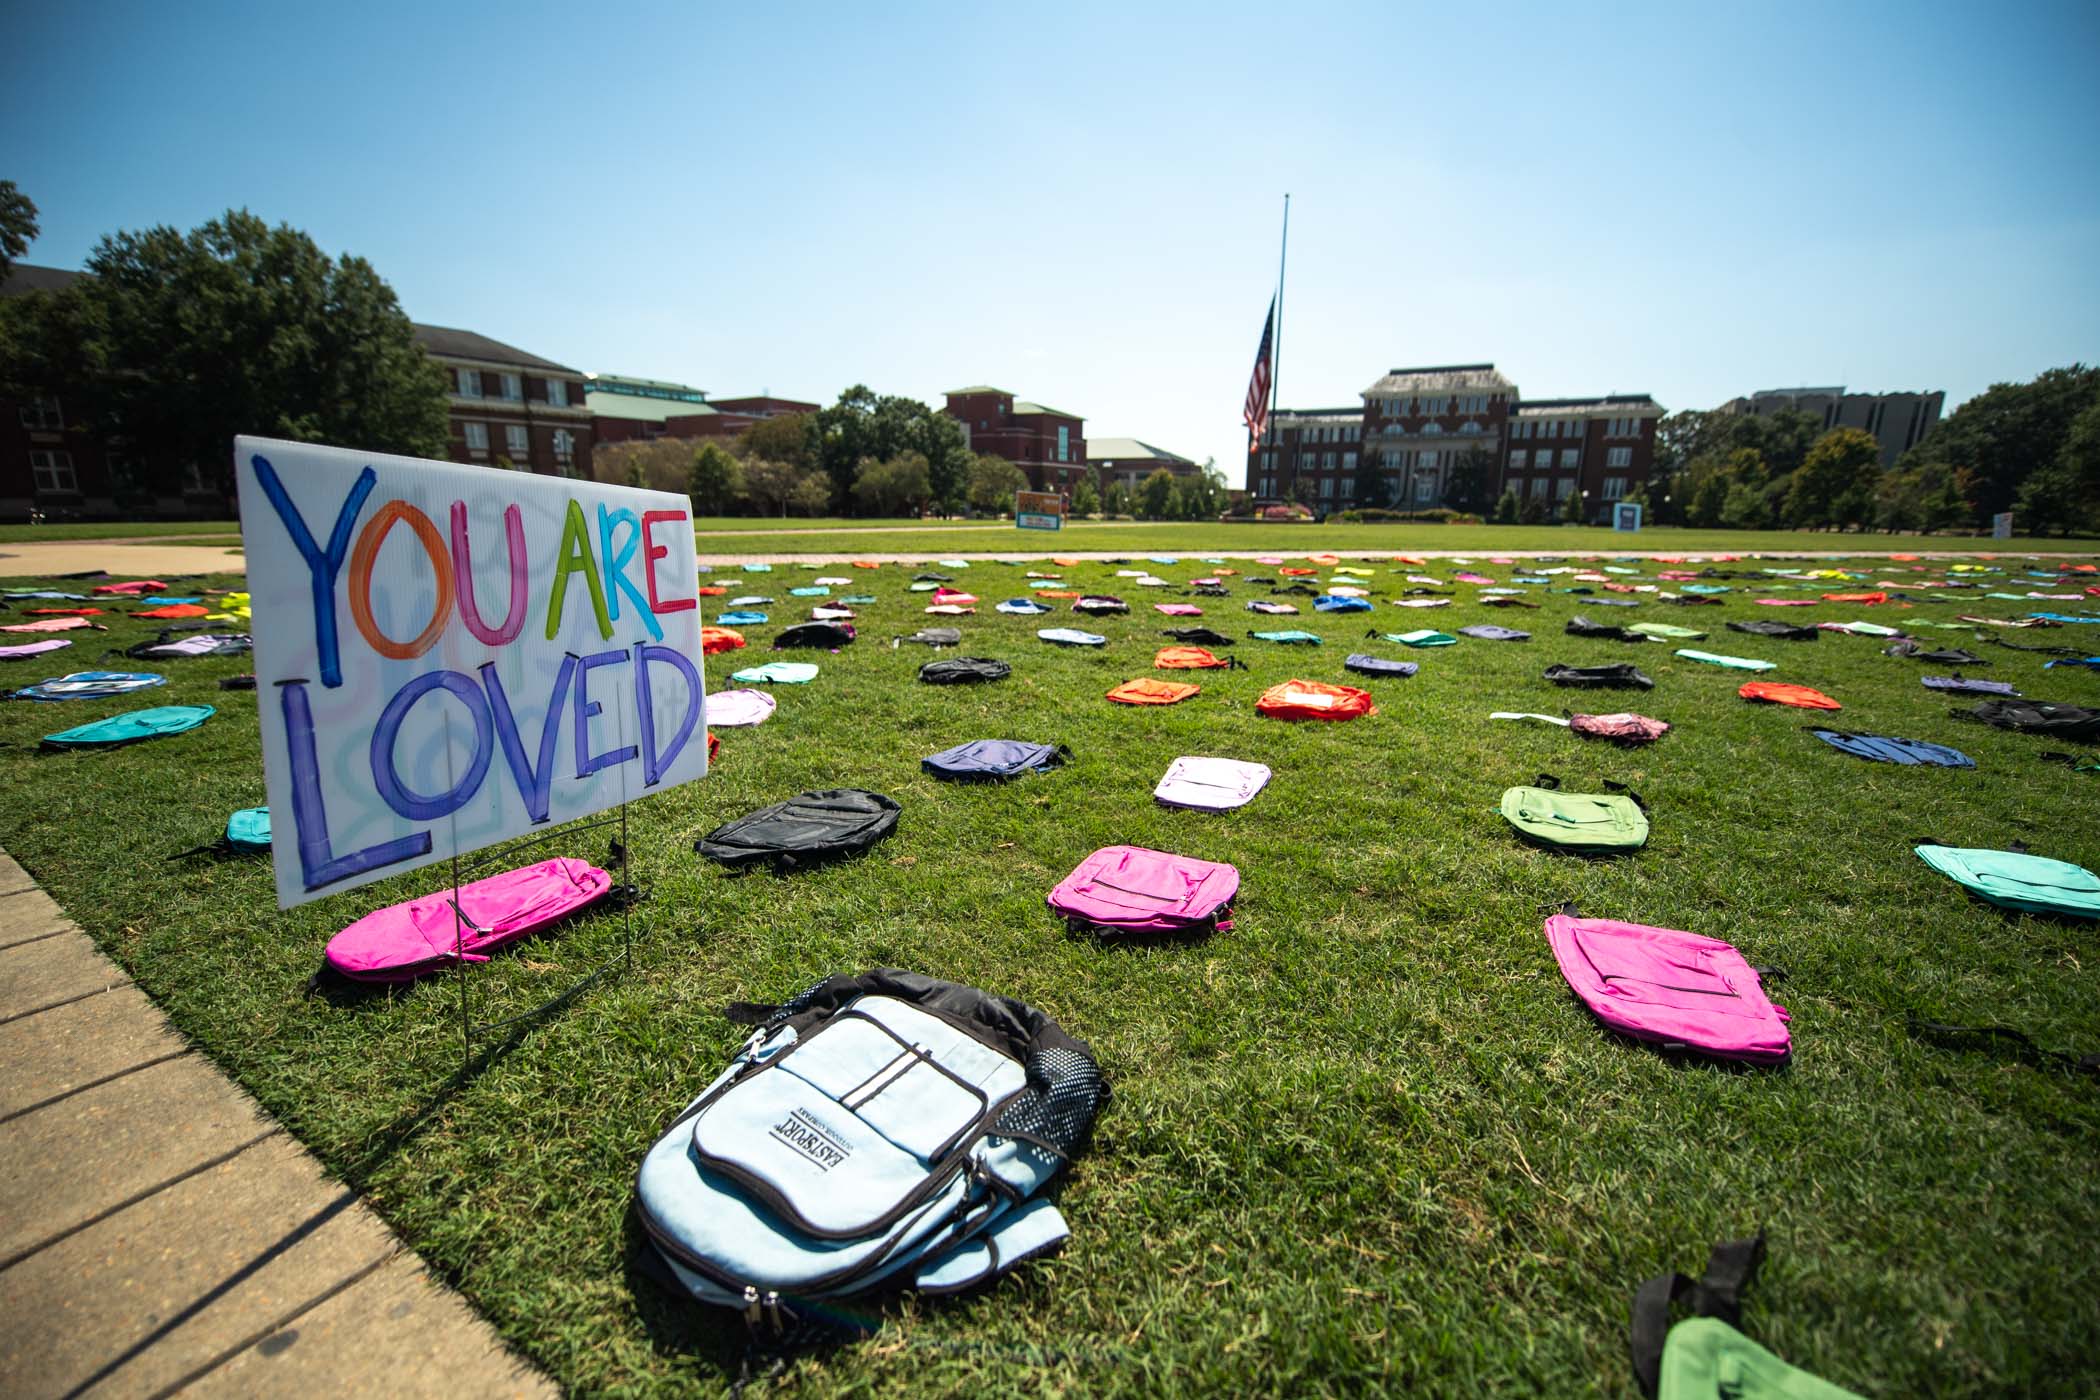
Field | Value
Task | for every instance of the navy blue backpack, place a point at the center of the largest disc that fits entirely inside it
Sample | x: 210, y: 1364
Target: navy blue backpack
x: 995, y: 760
x: 1365, y: 664
x: 1881, y: 748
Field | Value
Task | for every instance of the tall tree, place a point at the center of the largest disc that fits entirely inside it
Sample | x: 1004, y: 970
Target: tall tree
x: 993, y: 481
x: 18, y: 226
x: 1157, y: 494
x: 177, y: 342
x: 1834, y: 480
x: 899, y: 486
x: 787, y: 438
x: 714, y: 481
x: 1085, y: 499
x: 771, y: 485
x: 1998, y: 439
x: 2065, y: 495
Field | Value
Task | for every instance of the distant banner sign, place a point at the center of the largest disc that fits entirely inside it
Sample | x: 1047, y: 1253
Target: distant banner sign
x: 2001, y: 525
x: 1039, y: 510
x: 1626, y: 515
x: 449, y: 656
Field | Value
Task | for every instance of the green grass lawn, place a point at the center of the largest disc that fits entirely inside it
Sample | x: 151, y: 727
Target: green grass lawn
x: 931, y: 538
x: 119, y: 530
x: 1364, y: 1141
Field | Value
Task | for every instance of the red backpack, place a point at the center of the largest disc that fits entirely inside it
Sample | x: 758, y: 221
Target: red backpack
x: 1150, y: 692
x: 1314, y: 700
x: 1801, y: 697
x: 1190, y: 659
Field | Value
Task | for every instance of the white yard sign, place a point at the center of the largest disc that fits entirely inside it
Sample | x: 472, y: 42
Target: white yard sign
x: 450, y: 656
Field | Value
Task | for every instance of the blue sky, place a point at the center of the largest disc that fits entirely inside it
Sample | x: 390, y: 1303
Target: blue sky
x: 1080, y: 203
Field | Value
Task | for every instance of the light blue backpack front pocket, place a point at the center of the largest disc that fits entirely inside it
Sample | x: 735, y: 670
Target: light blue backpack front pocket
x: 852, y: 1128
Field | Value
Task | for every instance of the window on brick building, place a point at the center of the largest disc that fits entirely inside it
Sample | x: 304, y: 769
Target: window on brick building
x: 41, y: 414
x: 477, y: 437
x: 1614, y: 487
x: 1348, y: 488
x: 1326, y: 487
x: 470, y: 383
x: 558, y: 393
x: 1539, y: 485
x: 564, y: 448
x: 1564, y: 488
x: 515, y: 443
x: 1569, y: 457
x: 53, y: 471
x: 1064, y: 443
x: 1618, y: 457
x: 513, y: 386
x: 1519, y: 459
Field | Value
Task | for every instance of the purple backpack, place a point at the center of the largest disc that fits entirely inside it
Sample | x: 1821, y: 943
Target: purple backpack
x: 1675, y: 989
x: 403, y: 941
x: 1128, y: 889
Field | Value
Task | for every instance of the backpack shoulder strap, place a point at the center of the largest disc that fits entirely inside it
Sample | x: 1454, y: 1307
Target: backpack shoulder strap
x: 1730, y: 1266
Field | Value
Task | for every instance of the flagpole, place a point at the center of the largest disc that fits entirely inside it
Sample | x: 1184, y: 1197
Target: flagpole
x: 1276, y: 349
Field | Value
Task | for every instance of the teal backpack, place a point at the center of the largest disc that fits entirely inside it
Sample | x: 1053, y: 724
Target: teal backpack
x: 247, y: 833
x: 2018, y: 880
x: 1704, y: 1357
x: 131, y: 727
x: 1577, y: 821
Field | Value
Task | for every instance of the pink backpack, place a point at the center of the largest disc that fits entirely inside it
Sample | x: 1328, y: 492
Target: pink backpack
x: 1676, y: 989
x: 1623, y: 728
x: 403, y: 941
x: 1128, y: 889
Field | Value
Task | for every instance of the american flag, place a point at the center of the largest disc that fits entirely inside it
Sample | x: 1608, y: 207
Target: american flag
x: 1256, y: 415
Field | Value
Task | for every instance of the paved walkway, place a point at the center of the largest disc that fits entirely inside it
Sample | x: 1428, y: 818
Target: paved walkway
x: 160, y: 1235
x: 125, y: 558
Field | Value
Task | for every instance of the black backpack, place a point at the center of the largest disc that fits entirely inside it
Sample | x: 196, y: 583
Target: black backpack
x: 1580, y: 626
x: 826, y: 636
x: 1198, y: 636
x: 1624, y: 676
x: 964, y: 670
x: 2066, y: 722
x: 1783, y: 631
x: 1101, y: 603
x: 808, y: 827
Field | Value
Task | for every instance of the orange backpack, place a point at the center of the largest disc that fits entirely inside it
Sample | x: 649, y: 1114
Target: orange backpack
x: 1190, y: 659
x: 1314, y: 700
x: 714, y: 639
x: 1780, y: 693
x: 1151, y: 692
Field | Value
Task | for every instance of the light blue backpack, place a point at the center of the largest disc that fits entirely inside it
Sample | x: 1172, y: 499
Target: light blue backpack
x: 879, y: 1131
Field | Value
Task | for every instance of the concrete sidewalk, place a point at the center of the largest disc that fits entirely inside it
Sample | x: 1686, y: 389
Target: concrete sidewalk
x: 160, y: 1235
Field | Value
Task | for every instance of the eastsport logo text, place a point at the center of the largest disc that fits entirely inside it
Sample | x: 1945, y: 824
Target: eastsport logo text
x: 807, y: 1136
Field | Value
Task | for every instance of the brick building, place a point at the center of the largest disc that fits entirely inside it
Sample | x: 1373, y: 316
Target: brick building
x: 510, y: 406
x: 1416, y: 427
x: 1047, y: 444
x: 1600, y: 450
x: 53, y: 464
x: 624, y: 409
x: 1310, y: 449
x: 1127, y: 462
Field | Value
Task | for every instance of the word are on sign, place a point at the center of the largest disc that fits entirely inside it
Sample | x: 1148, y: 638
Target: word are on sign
x: 449, y: 656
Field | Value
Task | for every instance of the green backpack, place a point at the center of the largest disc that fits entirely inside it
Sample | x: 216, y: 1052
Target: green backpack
x: 2018, y: 880
x: 1704, y: 1357
x: 1577, y: 821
